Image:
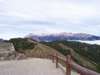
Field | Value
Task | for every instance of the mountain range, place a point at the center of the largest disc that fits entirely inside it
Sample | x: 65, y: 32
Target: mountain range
x: 63, y: 36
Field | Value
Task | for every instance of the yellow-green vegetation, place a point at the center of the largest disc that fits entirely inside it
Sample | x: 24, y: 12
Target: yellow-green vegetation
x: 41, y: 51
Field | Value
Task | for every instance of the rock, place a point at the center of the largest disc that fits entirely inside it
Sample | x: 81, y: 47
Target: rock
x: 7, y: 51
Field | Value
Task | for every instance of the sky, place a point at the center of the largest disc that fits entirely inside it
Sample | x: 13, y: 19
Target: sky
x: 18, y: 18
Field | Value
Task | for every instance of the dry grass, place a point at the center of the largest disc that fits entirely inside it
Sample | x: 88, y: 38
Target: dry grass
x: 41, y: 51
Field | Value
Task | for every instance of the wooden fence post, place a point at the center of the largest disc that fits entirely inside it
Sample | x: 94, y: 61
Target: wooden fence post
x: 68, y: 65
x: 53, y: 58
x: 56, y: 61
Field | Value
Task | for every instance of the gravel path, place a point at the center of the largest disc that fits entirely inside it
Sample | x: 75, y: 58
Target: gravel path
x: 29, y: 67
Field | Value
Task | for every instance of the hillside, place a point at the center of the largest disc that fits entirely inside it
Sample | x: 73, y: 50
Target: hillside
x: 32, y: 48
x: 84, y: 54
x: 41, y: 51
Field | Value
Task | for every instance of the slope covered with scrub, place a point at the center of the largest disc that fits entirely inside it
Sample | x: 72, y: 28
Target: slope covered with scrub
x: 84, y: 54
x: 33, y: 49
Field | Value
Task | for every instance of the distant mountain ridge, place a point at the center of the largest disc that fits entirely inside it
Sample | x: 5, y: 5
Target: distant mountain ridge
x: 64, y: 36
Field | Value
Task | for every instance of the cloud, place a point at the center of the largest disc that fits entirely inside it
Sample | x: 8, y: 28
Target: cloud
x: 47, y: 9
x: 20, y: 17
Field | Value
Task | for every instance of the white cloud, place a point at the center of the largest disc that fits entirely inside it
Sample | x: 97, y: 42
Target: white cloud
x: 45, y: 9
x: 24, y: 16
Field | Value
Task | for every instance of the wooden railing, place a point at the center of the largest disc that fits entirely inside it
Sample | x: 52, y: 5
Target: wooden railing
x: 72, y: 65
x: 67, y: 61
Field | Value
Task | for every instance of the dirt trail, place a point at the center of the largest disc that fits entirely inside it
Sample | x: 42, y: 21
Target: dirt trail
x: 32, y: 66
